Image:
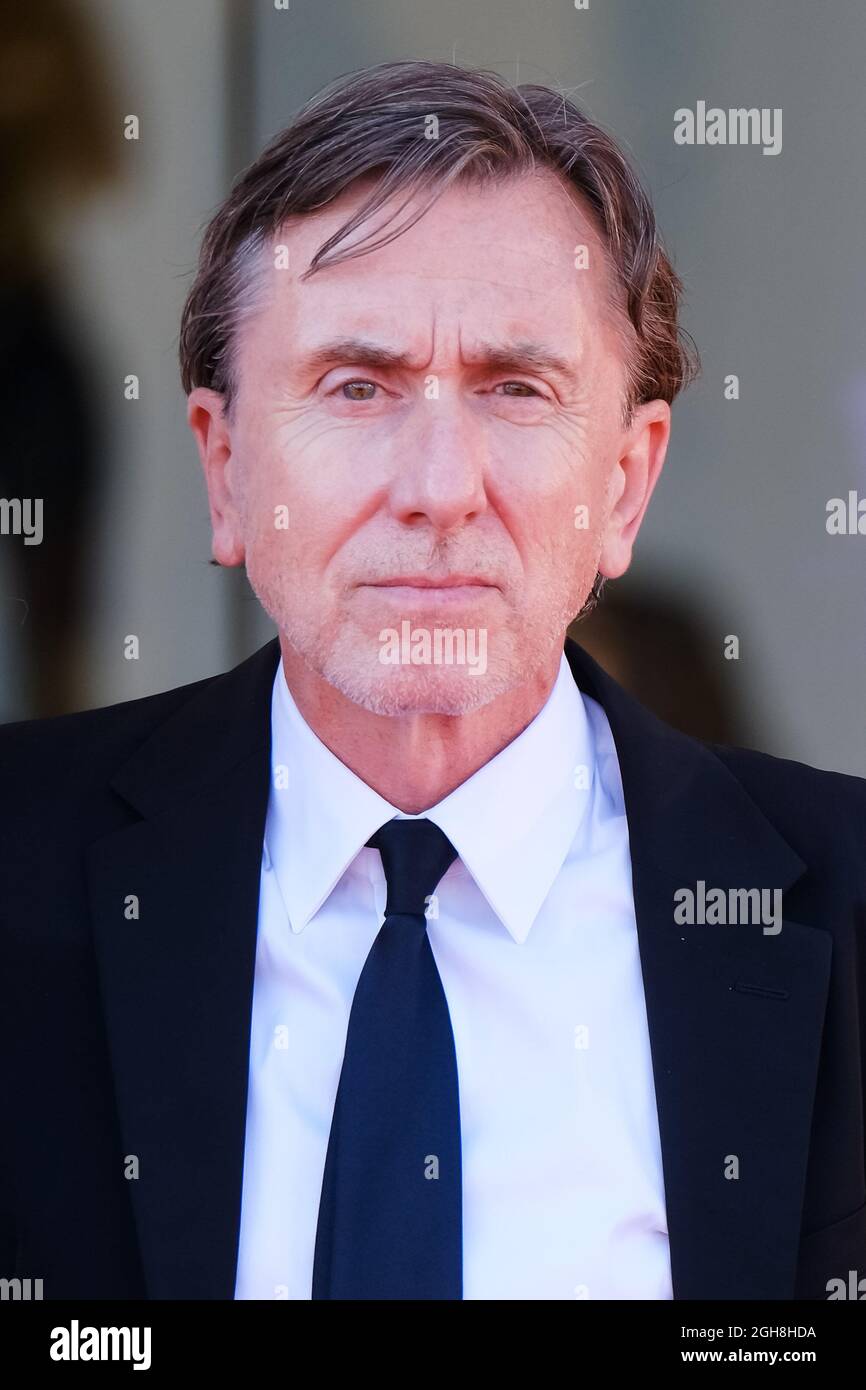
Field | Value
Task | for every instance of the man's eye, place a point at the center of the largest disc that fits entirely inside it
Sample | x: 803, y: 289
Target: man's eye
x: 521, y: 386
x: 358, y: 386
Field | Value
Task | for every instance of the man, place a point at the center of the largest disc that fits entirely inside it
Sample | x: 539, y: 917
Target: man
x: 413, y: 958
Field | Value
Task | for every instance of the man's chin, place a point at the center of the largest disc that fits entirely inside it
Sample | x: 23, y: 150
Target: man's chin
x: 396, y: 690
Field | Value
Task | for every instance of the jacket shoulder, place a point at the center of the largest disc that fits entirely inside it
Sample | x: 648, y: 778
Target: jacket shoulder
x: 81, y: 747
x: 784, y: 775
x: 814, y: 809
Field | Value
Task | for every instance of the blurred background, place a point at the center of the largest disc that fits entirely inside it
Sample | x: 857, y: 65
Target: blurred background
x: 98, y: 239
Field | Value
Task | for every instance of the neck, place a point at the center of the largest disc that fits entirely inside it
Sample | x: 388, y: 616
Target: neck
x: 415, y: 759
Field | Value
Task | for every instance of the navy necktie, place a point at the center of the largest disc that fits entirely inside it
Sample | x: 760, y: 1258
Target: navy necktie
x: 390, y: 1214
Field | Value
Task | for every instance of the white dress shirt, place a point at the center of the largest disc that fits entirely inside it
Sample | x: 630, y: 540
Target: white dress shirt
x: 536, y: 945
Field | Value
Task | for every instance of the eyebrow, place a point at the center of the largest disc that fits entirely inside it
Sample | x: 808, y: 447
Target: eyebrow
x: 522, y: 355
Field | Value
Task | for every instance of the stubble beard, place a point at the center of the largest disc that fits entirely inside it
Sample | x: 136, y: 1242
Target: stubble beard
x: 348, y: 657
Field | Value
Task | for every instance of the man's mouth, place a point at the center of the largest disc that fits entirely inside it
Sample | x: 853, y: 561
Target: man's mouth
x: 429, y: 589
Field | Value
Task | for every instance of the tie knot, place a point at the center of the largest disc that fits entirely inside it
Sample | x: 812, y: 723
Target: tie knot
x: 415, y: 855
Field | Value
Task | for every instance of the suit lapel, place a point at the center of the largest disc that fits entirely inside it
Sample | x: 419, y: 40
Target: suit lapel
x: 735, y: 1016
x: 177, y: 979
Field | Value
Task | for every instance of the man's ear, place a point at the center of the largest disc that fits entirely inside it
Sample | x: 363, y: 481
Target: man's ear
x: 642, y: 455
x: 206, y: 419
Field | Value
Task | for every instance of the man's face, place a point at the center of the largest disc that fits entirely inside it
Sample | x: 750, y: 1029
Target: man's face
x: 342, y: 471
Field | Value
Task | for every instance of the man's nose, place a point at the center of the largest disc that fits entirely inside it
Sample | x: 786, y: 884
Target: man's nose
x: 441, y: 465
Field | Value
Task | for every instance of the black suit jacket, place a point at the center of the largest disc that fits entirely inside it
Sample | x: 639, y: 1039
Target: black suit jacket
x: 126, y: 1038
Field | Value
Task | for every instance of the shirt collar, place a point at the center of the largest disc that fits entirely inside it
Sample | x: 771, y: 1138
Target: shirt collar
x: 512, y: 822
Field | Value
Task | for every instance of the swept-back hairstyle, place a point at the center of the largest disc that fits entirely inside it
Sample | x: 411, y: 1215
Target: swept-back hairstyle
x: 377, y: 125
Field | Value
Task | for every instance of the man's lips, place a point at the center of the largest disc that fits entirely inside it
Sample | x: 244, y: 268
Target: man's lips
x: 448, y: 589
x: 427, y: 581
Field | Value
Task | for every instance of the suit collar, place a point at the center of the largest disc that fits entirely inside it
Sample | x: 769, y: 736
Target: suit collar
x: 735, y: 1016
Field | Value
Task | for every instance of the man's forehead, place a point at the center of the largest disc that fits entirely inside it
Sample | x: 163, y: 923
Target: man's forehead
x: 523, y: 235
x: 363, y: 297
x: 529, y: 289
